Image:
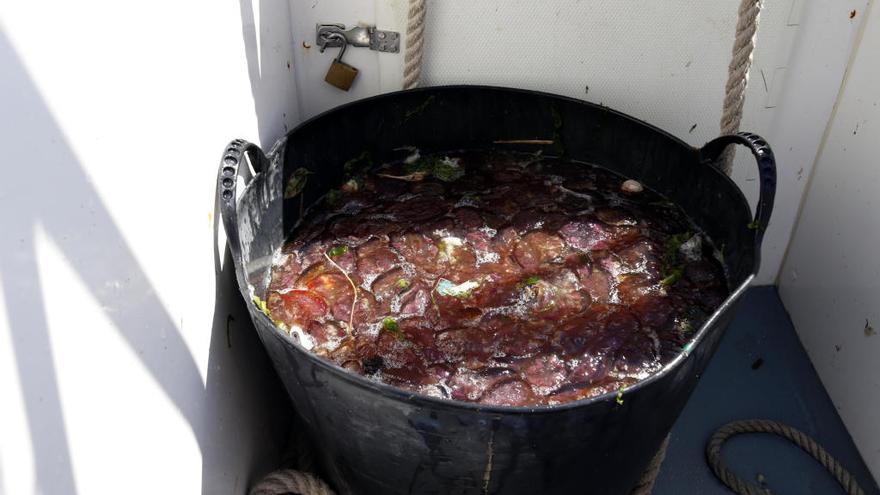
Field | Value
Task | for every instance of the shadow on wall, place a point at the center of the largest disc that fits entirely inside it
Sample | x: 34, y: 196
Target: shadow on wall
x: 269, y: 50
x: 245, y: 399
x: 241, y: 409
x: 268, y: 46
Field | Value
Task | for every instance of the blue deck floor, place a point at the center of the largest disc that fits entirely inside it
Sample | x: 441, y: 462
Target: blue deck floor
x: 784, y: 387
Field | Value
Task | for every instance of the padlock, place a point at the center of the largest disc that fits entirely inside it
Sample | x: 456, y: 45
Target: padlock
x: 340, y: 74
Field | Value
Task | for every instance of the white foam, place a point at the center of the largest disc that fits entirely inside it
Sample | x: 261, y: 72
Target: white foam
x: 371, y: 330
x: 301, y: 336
x: 692, y: 249
x: 467, y: 201
x: 449, y: 244
x: 487, y: 257
x: 488, y: 231
x: 279, y: 258
x: 451, y: 162
x: 367, y: 280
x: 382, y: 216
x: 413, y: 157
x: 452, y: 241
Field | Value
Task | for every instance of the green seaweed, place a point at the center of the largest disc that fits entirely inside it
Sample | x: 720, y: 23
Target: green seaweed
x: 447, y: 170
x: 672, y: 245
x: 261, y: 305
x: 670, y: 268
x: 443, y: 169
x: 673, y: 277
x: 391, y: 326
x: 297, y: 182
x: 528, y: 282
x: 337, y: 251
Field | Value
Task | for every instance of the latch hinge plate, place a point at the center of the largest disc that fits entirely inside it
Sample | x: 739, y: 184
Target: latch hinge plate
x: 364, y: 36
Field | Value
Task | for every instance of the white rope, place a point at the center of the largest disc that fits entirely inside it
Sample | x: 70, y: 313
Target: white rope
x: 291, y: 481
x: 415, y: 29
x: 738, y: 73
x: 799, y: 438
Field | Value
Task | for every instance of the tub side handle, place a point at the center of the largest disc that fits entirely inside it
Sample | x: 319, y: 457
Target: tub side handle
x: 234, y: 171
x: 711, y: 152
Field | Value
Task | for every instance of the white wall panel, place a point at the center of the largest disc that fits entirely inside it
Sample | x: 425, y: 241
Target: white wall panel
x: 115, y: 369
x: 830, y: 281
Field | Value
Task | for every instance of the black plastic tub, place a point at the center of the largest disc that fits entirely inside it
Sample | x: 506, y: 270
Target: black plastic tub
x: 376, y: 439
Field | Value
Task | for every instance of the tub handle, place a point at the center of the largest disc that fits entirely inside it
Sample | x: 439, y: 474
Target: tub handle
x: 233, y: 167
x: 711, y: 152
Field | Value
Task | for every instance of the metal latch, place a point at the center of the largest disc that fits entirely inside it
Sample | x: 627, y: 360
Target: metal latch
x: 369, y: 36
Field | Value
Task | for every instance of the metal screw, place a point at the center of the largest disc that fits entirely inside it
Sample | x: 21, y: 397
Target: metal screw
x: 381, y: 35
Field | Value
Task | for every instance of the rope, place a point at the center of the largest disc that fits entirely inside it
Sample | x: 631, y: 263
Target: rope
x: 291, y: 481
x: 646, y: 484
x: 415, y: 29
x: 799, y: 438
x: 286, y: 481
x: 738, y: 73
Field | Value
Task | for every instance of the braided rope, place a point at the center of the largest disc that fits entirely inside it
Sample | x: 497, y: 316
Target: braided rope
x: 799, y: 438
x: 738, y: 73
x: 646, y: 484
x: 415, y: 29
x: 291, y: 481
x: 286, y: 481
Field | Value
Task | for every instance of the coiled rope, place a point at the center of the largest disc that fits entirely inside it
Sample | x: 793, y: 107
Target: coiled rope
x: 300, y: 480
x: 286, y: 481
x: 291, y: 481
x: 799, y: 438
